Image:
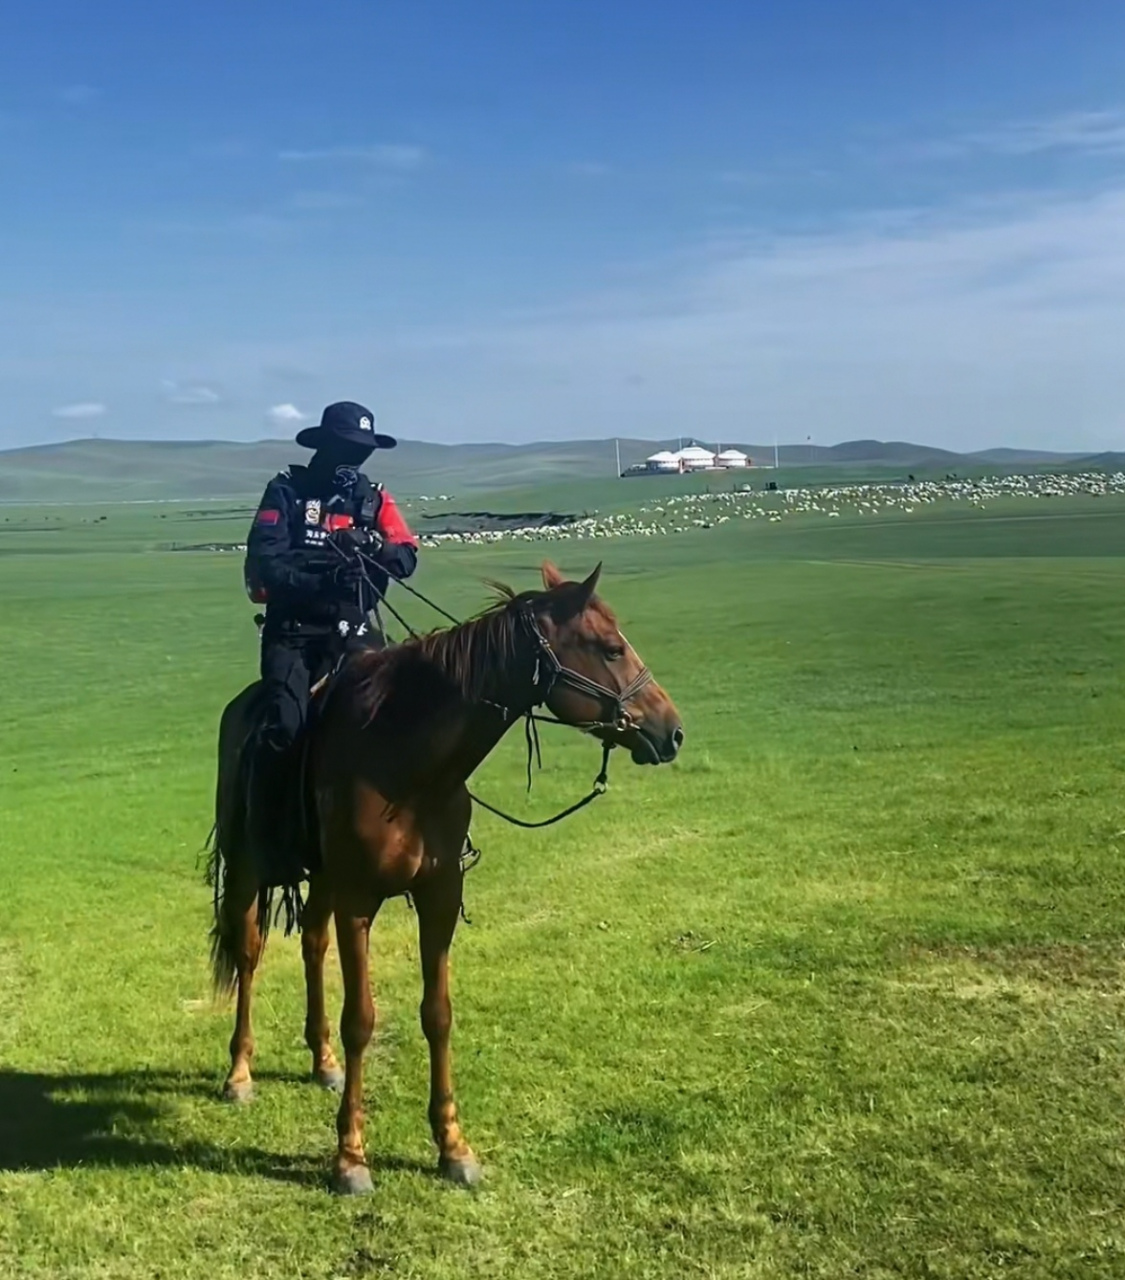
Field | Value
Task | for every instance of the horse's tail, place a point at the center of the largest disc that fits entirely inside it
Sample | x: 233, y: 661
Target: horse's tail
x: 228, y: 857
x: 223, y: 968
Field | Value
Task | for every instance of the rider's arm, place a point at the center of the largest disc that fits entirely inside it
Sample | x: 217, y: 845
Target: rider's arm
x: 399, y: 552
x: 288, y: 572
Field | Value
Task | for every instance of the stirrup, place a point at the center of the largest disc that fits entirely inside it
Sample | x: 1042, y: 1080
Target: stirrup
x: 470, y: 855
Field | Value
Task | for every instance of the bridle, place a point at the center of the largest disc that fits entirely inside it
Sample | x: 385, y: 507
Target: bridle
x: 550, y: 672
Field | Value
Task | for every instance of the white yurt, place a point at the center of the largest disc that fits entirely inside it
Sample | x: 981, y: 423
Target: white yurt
x: 732, y: 458
x: 696, y: 458
x: 663, y: 461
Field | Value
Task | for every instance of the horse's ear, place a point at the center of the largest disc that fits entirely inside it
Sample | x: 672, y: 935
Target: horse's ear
x: 588, y: 587
x: 551, y: 576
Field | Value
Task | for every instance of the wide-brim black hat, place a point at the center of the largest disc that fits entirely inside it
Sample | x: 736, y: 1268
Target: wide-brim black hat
x: 347, y: 421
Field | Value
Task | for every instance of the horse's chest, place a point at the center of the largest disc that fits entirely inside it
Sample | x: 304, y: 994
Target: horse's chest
x: 394, y: 852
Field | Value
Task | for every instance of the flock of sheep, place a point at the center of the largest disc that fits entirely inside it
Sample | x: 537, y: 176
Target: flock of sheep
x: 684, y: 512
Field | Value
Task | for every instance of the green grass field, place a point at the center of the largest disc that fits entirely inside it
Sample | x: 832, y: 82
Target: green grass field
x: 838, y: 994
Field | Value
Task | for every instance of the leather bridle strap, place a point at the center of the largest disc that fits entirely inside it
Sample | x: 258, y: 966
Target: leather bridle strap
x: 601, y: 782
x: 558, y: 674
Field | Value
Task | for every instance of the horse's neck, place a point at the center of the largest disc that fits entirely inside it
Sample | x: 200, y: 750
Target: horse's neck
x: 506, y: 695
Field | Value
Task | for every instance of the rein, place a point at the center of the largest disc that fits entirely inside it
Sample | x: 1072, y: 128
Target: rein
x: 549, y: 672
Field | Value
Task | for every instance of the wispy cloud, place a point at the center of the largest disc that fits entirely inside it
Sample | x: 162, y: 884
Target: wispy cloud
x: 84, y: 409
x: 322, y: 201
x: 265, y: 228
x: 190, y: 393
x: 1090, y: 133
x: 79, y: 95
x: 385, y: 155
x: 222, y: 149
x: 588, y: 169
x: 283, y: 415
x: 965, y: 327
x: 1093, y: 132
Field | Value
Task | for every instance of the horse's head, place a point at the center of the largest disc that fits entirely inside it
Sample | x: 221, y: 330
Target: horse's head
x: 599, y: 681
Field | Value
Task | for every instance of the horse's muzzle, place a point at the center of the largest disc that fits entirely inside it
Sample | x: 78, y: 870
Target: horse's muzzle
x: 653, y: 748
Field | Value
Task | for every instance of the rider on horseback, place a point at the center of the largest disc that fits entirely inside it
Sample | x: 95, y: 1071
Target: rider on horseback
x: 303, y: 562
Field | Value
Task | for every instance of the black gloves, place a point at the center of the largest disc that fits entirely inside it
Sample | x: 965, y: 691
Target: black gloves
x: 347, y: 575
x: 366, y: 540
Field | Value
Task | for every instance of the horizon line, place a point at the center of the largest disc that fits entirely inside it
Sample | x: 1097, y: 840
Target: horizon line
x: 807, y: 445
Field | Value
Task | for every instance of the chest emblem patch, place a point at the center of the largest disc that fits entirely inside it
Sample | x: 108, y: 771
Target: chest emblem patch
x: 312, y: 511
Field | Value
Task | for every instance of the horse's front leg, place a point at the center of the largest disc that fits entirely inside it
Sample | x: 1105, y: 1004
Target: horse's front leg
x: 438, y: 904
x: 352, y: 1177
x: 314, y: 944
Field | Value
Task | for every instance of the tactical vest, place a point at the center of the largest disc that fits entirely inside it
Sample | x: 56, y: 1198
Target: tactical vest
x: 314, y: 518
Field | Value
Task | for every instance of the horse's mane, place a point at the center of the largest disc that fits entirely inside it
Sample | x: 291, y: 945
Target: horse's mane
x: 467, y: 655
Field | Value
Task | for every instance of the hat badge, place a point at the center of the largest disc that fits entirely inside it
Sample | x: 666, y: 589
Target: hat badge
x: 365, y: 423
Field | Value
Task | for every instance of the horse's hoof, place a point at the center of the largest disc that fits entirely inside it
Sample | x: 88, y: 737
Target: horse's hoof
x: 330, y: 1078
x: 240, y: 1091
x: 462, y: 1171
x: 353, y: 1180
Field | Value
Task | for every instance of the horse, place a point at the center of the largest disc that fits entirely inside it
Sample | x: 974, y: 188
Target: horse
x: 388, y: 756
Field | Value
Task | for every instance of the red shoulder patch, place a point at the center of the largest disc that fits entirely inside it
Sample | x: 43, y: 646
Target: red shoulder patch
x: 268, y: 516
x: 391, y: 523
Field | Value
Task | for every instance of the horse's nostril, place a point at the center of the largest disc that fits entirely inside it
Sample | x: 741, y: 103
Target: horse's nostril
x: 677, y: 738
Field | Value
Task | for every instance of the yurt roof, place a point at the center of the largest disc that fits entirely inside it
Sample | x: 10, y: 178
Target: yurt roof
x: 662, y: 456
x: 732, y: 454
x: 694, y: 451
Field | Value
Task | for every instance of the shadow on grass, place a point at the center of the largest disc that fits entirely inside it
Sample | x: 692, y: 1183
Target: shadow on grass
x: 121, y: 1120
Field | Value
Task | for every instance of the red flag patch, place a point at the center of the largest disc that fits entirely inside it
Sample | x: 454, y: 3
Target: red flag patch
x: 391, y: 523
x: 268, y: 516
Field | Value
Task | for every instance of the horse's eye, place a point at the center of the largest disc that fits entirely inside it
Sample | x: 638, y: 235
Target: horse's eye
x: 614, y: 652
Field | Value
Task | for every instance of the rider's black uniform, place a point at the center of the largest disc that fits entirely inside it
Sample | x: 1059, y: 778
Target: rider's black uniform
x: 301, y: 563
x: 315, y: 608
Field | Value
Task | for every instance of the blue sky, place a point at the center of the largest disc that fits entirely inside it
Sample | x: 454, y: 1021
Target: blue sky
x: 827, y: 218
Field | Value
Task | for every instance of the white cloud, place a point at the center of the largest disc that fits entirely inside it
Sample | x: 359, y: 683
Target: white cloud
x: 283, y: 414
x: 189, y: 393
x: 386, y: 155
x: 991, y: 325
x: 84, y: 409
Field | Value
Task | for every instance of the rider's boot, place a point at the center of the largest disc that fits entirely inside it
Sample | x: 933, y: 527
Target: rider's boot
x: 268, y: 826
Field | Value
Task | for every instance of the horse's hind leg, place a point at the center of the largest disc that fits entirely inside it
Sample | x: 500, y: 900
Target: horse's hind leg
x: 240, y: 907
x: 438, y: 904
x: 314, y: 944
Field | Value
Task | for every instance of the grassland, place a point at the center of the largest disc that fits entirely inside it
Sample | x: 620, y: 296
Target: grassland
x: 840, y: 993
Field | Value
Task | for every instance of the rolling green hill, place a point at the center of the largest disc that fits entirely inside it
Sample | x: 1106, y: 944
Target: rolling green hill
x: 147, y: 470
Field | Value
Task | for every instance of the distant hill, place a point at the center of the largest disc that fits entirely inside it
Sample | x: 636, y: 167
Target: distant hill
x: 1102, y: 461
x: 147, y: 470
x: 891, y: 453
x: 1020, y: 456
x: 120, y: 470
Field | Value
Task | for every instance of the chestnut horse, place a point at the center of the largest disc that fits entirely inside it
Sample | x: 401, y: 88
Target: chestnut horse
x: 401, y: 731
